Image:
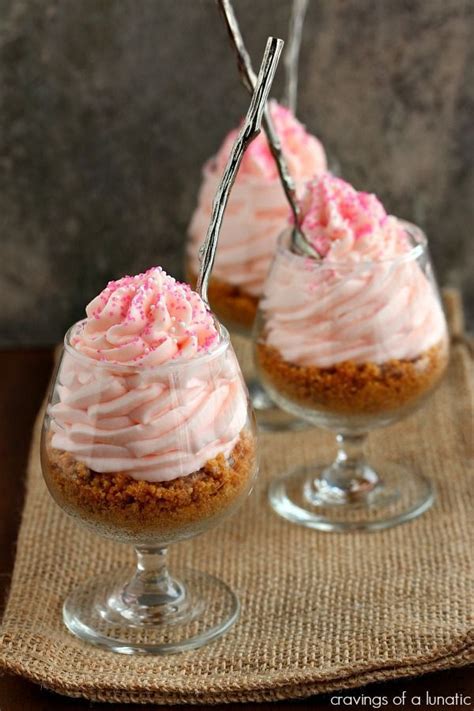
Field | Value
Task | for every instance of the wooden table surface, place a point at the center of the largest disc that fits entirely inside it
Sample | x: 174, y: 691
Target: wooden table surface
x: 24, y: 375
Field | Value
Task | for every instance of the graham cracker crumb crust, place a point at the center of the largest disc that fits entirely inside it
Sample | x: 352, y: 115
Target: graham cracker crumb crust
x: 231, y: 304
x: 118, y: 500
x: 354, y: 388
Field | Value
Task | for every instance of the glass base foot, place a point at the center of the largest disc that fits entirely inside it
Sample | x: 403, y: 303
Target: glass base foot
x: 270, y: 417
x: 304, y: 497
x: 100, y: 614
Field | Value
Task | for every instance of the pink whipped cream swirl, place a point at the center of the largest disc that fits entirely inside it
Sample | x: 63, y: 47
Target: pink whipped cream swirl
x: 257, y: 210
x: 146, y: 320
x: 146, y: 387
x: 349, y: 226
x: 367, y: 300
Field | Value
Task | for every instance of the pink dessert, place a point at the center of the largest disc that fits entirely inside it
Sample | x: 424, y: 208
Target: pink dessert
x: 256, y: 214
x: 148, y: 393
x: 362, y: 328
x: 146, y: 320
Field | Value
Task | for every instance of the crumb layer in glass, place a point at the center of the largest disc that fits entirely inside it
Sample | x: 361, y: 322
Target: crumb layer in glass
x: 116, y: 500
x: 232, y: 305
x: 355, y: 388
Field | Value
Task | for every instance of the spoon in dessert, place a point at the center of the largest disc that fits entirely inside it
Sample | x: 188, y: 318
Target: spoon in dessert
x: 250, y: 129
x: 292, y: 52
x: 299, y: 243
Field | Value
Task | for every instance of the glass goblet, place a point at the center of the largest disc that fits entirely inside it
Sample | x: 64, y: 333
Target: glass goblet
x: 350, y: 347
x: 149, y: 456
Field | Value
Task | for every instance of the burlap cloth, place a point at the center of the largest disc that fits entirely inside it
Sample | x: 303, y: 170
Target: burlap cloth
x: 319, y: 611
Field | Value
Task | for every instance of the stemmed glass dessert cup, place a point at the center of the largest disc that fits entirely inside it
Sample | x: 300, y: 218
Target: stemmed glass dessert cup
x: 256, y: 213
x: 149, y: 456
x: 351, y: 346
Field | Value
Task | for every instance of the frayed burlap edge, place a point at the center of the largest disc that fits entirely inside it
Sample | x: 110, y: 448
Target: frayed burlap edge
x: 461, y: 653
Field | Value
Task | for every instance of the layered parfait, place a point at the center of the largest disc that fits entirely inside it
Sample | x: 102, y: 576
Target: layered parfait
x: 359, y: 332
x: 256, y: 214
x: 148, y: 431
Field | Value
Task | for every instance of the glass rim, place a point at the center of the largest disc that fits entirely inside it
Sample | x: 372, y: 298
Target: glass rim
x: 415, y: 232
x: 169, y: 366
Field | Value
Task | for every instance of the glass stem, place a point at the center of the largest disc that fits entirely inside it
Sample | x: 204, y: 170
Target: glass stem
x: 258, y: 395
x: 350, y: 473
x: 152, y: 585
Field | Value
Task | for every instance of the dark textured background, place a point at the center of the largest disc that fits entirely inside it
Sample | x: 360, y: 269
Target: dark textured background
x: 108, y: 108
